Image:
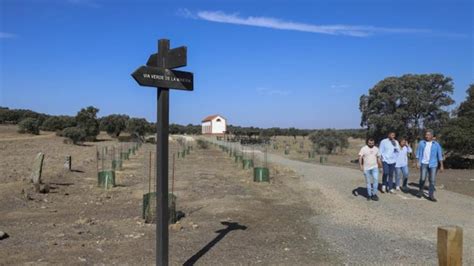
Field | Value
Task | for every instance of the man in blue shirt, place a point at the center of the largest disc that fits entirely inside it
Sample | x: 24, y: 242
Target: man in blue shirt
x: 429, y: 153
x: 388, y: 151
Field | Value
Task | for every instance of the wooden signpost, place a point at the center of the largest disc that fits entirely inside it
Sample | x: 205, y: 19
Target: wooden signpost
x: 158, y: 73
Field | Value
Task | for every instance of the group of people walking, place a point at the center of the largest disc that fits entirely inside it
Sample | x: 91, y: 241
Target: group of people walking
x: 391, y: 157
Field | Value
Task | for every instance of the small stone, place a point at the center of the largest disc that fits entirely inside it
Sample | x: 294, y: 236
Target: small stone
x: 195, y: 226
x: 287, y: 249
x: 84, y: 221
x: 176, y: 227
x: 44, y: 188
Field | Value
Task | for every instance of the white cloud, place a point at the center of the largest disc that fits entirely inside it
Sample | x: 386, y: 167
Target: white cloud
x: 273, y: 92
x: 6, y: 35
x: 279, y: 24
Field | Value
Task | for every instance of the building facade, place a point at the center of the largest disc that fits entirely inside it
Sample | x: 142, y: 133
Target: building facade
x: 214, y: 125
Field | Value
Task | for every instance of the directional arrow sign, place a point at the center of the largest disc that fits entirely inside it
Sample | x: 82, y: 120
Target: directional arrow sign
x: 174, y: 58
x: 164, y: 78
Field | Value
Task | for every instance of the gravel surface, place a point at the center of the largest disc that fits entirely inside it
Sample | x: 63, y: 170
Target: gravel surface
x: 399, y: 228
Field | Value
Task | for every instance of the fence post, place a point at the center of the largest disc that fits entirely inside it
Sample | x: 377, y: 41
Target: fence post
x: 68, y: 163
x: 450, y: 246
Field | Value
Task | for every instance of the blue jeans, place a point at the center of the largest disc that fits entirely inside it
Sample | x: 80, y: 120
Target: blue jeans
x: 431, y: 172
x: 372, y: 174
x: 402, y: 171
x: 388, y: 173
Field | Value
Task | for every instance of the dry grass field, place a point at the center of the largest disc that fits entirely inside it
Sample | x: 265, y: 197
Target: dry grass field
x: 460, y: 181
x: 298, y: 218
x: 229, y: 218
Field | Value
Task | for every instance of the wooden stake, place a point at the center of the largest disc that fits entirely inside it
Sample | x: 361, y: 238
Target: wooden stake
x: 149, y: 175
x: 97, y: 159
x: 450, y: 246
x: 172, y: 177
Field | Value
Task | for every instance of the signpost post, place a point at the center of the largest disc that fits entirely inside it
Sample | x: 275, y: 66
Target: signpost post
x: 158, y: 73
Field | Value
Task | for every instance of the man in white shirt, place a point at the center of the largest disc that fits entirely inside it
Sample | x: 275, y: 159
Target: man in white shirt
x: 388, y: 151
x: 369, y: 162
x: 427, y: 152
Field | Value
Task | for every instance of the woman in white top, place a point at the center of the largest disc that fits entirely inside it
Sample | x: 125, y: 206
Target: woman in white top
x: 401, y: 165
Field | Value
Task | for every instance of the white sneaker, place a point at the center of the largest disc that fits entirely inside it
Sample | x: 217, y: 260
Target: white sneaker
x: 383, y: 189
x: 392, y: 191
x: 398, y: 188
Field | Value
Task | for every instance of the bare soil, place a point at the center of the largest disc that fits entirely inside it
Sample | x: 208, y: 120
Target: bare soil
x: 229, y: 218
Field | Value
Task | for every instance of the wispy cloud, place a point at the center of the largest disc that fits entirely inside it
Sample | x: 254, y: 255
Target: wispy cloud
x: 273, y: 92
x: 279, y: 24
x: 6, y: 35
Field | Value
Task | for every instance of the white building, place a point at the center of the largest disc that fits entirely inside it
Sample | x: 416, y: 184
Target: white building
x: 214, y: 125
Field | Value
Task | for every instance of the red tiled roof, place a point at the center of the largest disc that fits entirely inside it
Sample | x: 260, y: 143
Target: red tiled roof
x: 210, y: 118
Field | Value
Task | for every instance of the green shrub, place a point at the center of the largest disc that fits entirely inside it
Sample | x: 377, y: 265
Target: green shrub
x: 137, y: 127
x: 29, y: 125
x: 329, y: 139
x: 14, y: 116
x: 87, y: 120
x: 458, y: 162
x: 75, y: 134
x: 114, y: 124
x: 202, y: 144
x: 56, y: 123
x: 457, y: 135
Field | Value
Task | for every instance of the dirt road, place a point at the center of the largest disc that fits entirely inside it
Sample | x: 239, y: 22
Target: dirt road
x: 397, y: 229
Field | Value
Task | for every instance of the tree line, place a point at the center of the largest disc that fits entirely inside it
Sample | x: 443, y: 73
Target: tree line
x: 85, y: 126
x: 407, y: 105
x: 115, y: 124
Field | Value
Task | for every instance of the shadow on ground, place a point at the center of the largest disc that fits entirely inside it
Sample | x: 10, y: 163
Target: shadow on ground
x: 219, y: 237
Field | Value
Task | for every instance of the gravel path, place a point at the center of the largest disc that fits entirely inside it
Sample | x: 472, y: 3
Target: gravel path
x: 398, y: 229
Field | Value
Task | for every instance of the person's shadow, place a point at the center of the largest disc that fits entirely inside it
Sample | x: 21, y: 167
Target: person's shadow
x: 360, y: 191
x: 219, y: 237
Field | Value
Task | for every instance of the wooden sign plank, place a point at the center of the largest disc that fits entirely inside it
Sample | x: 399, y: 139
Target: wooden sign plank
x: 164, y: 78
x: 174, y: 58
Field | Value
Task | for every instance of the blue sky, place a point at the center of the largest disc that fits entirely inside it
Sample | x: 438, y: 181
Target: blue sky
x: 259, y: 63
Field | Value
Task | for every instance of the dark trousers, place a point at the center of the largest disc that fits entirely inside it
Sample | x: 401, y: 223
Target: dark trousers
x: 388, y: 173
